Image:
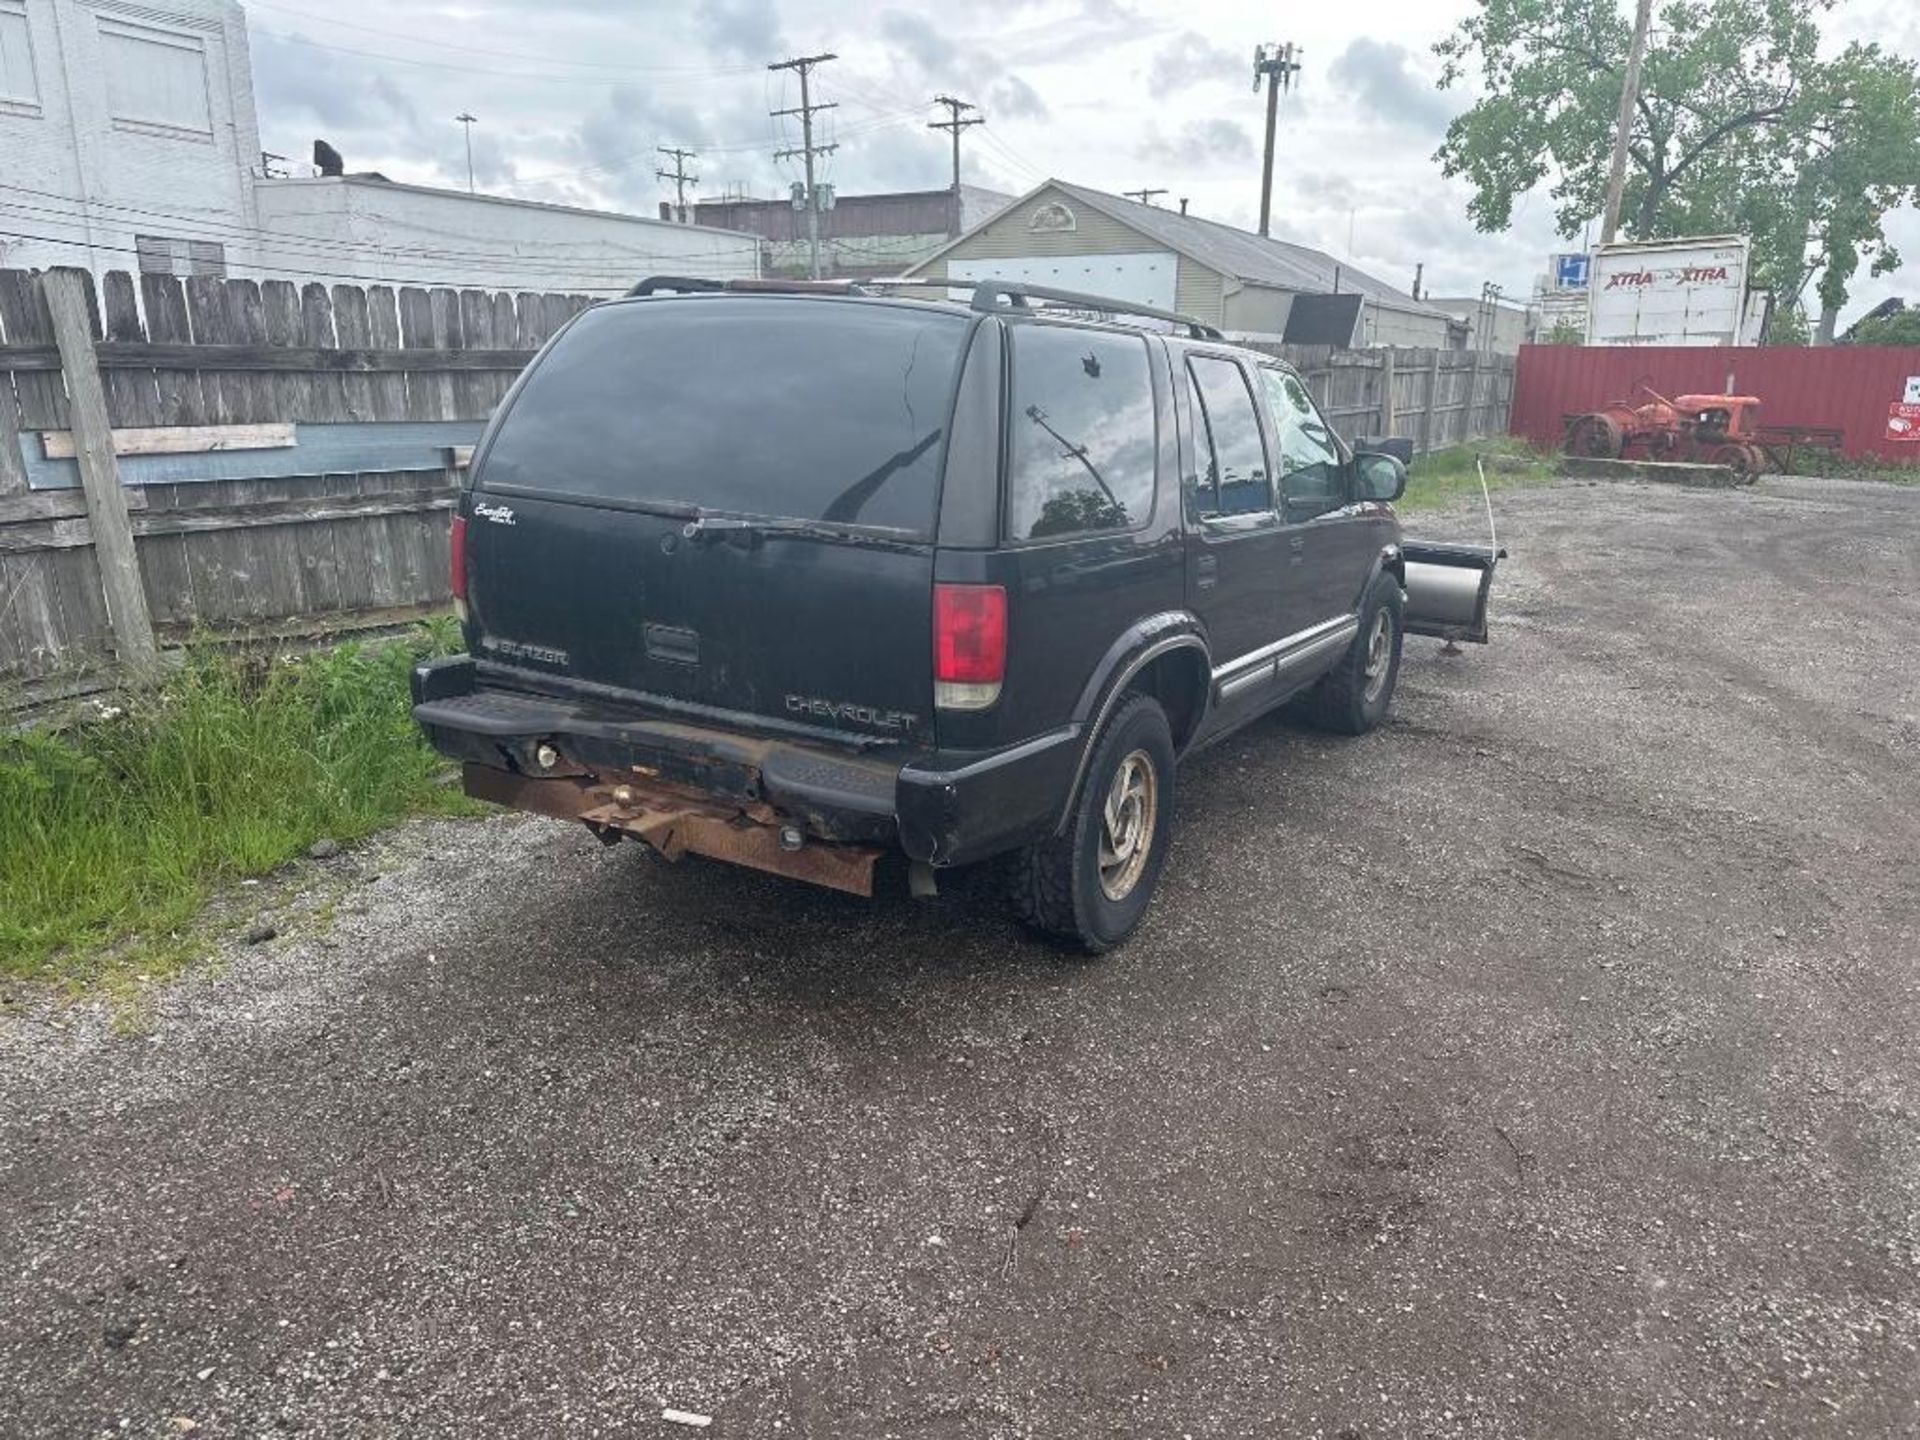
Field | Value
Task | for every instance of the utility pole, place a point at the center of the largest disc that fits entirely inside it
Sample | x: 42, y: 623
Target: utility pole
x: 678, y: 175
x: 467, y: 121
x: 1145, y: 197
x: 1277, y: 65
x: 954, y: 123
x: 804, y: 65
x: 1629, y: 97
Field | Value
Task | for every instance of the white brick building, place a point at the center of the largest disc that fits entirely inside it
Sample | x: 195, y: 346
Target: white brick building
x: 417, y: 234
x: 127, y: 132
x: 129, y: 140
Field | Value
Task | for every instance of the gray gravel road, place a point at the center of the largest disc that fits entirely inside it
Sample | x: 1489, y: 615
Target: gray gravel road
x: 1543, y: 1064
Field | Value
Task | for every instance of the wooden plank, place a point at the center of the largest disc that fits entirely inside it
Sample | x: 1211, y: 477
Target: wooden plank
x: 66, y: 294
x: 13, y: 469
x: 448, y: 338
x: 383, y: 324
x: 23, y: 315
x: 32, y: 637
x: 326, y: 394
x: 163, y: 565
x: 260, y: 395
x: 222, y: 402
x: 280, y: 299
x: 54, y: 505
x: 179, y: 397
x: 133, y: 396
x: 354, y: 324
x: 179, y: 439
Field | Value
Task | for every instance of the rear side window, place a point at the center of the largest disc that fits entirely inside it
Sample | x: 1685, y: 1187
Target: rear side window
x: 763, y: 406
x: 1233, y: 480
x: 1082, y: 451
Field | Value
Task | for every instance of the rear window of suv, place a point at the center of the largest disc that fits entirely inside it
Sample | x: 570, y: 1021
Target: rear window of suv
x: 790, y: 408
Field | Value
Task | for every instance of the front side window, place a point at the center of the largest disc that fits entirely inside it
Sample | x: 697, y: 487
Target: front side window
x: 1083, y: 445
x: 1312, y: 479
x: 1233, y: 458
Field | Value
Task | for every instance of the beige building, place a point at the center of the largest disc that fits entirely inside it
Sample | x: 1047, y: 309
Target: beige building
x: 1248, y: 285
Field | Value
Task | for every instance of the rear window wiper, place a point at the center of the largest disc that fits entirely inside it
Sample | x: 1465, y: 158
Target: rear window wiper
x: 723, y: 526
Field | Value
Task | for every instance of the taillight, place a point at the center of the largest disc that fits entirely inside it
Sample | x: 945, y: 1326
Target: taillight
x: 969, y: 645
x: 457, y: 565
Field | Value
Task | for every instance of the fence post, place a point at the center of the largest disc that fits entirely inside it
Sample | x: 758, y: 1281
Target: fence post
x: 113, y: 546
x: 1470, y: 419
x: 1387, y: 416
x: 13, y: 473
x: 1433, y: 403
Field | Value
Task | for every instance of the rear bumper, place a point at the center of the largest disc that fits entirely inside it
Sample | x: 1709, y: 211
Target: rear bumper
x: 943, y: 808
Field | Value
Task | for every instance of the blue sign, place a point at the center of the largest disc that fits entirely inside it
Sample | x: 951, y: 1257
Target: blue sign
x: 1570, y: 272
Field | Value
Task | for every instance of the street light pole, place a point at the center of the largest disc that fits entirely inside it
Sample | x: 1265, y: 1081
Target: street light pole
x: 467, y: 122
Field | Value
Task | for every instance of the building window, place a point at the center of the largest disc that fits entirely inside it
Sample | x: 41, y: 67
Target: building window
x: 155, y: 78
x: 163, y: 255
x: 18, y: 89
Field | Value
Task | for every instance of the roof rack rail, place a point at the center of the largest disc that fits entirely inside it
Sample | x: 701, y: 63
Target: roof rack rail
x: 692, y: 285
x: 987, y: 295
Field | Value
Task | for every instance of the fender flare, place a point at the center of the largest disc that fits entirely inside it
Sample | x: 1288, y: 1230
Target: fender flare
x: 1390, y: 561
x: 1136, y: 648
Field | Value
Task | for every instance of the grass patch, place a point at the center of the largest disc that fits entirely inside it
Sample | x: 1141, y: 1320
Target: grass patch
x: 114, y: 831
x: 1449, y: 475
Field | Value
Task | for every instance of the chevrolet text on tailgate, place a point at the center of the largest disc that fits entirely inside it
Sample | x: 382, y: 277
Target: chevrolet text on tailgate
x: 799, y: 576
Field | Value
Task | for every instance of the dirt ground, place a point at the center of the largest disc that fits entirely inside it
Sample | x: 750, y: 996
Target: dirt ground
x: 1543, y: 1064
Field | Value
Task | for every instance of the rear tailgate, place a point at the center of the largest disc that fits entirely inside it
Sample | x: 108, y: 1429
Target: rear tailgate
x: 605, y: 539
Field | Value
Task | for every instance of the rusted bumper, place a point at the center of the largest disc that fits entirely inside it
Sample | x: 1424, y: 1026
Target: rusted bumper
x: 676, y: 821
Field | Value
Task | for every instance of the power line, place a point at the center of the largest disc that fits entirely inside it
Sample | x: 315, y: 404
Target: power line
x: 679, y: 176
x: 806, y: 109
x: 1145, y: 197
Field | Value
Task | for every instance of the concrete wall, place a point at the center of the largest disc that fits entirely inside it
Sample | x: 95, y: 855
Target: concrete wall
x: 379, y: 231
x: 1198, y: 290
x: 1511, y: 328
x: 1385, y: 325
x: 104, y: 138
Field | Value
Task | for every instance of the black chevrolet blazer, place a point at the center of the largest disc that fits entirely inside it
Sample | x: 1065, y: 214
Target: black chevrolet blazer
x: 796, y: 577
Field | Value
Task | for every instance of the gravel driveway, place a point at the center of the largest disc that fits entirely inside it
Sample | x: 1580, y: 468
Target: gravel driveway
x: 1543, y: 1064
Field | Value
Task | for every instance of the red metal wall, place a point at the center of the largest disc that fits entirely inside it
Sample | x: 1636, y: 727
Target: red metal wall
x: 1851, y: 386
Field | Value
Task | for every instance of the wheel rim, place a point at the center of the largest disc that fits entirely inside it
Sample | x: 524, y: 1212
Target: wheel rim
x: 1127, y: 825
x: 1379, y: 654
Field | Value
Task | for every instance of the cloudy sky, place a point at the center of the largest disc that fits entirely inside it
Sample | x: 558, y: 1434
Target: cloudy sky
x: 573, y: 96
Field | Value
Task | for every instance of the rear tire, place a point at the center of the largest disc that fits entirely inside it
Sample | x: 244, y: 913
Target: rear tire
x: 1091, y: 884
x: 1354, y: 696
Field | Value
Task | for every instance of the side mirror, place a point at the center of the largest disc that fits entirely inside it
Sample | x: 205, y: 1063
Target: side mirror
x: 1381, y: 477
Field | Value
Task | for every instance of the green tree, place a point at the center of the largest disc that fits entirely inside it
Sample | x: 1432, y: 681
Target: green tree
x: 1740, y: 127
x: 1902, y: 327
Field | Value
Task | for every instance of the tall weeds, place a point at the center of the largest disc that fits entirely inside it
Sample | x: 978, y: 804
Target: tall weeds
x: 119, y: 826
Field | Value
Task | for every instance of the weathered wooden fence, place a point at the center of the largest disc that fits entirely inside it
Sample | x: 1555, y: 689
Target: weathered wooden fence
x: 271, y: 458
x: 228, y: 455
x: 1435, y: 398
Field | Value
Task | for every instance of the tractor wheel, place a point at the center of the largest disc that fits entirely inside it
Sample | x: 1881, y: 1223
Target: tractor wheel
x: 1663, y: 445
x: 1597, y: 436
x: 1761, y: 462
x: 1744, y: 460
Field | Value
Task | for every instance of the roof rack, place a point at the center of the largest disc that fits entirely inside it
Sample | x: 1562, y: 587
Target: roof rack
x: 692, y: 285
x: 988, y: 294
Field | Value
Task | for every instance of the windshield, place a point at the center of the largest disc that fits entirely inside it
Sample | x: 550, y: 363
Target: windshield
x: 753, y: 406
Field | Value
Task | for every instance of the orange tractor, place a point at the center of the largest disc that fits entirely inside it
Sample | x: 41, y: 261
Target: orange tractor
x: 1716, y: 429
